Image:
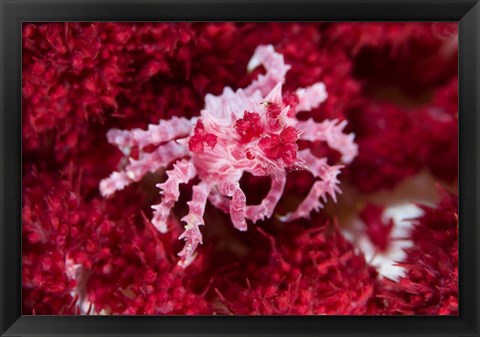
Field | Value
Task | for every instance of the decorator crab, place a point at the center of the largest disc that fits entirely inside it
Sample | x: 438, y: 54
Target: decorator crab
x: 252, y: 130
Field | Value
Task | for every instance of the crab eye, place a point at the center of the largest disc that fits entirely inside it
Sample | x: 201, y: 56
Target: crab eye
x: 249, y: 155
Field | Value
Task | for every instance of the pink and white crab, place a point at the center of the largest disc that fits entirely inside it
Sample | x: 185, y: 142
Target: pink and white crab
x: 251, y: 130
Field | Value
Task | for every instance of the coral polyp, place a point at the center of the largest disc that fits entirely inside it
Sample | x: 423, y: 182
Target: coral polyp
x: 252, y: 130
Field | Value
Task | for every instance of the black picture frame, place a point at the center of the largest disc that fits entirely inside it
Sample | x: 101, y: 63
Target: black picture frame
x: 14, y: 12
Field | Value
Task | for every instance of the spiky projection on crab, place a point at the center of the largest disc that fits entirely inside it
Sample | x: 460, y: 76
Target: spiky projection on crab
x: 252, y: 130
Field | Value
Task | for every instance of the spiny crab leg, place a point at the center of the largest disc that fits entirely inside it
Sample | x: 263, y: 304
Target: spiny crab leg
x: 311, y: 97
x: 275, y: 67
x: 194, y: 219
x: 330, y: 131
x: 156, y: 134
x: 136, y: 169
x: 183, y: 171
x: 320, y: 189
x: 268, y: 204
x: 237, y: 204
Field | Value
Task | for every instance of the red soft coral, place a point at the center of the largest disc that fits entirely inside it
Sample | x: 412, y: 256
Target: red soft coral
x: 305, y: 272
x: 378, y: 229
x: 388, y: 149
x: 80, y: 254
x: 397, y: 142
x: 132, y: 271
x: 430, y: 286
x: 53, y: 214
x: 412, y: 57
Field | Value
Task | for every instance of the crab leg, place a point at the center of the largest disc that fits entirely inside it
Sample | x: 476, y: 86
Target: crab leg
x: 237, y: 204
x: 136, y: 169
x: 311, y: 97
x: 194, y: 219
x: 274, y: 65
x: 254, y: 212
x: 320, y: 189
x: 156, y: 134
x: 183, y: 171
x: 267, y: 206
x: 330, y: 131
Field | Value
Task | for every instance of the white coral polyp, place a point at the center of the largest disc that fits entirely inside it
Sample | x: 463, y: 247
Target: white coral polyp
x: 214, y: 148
